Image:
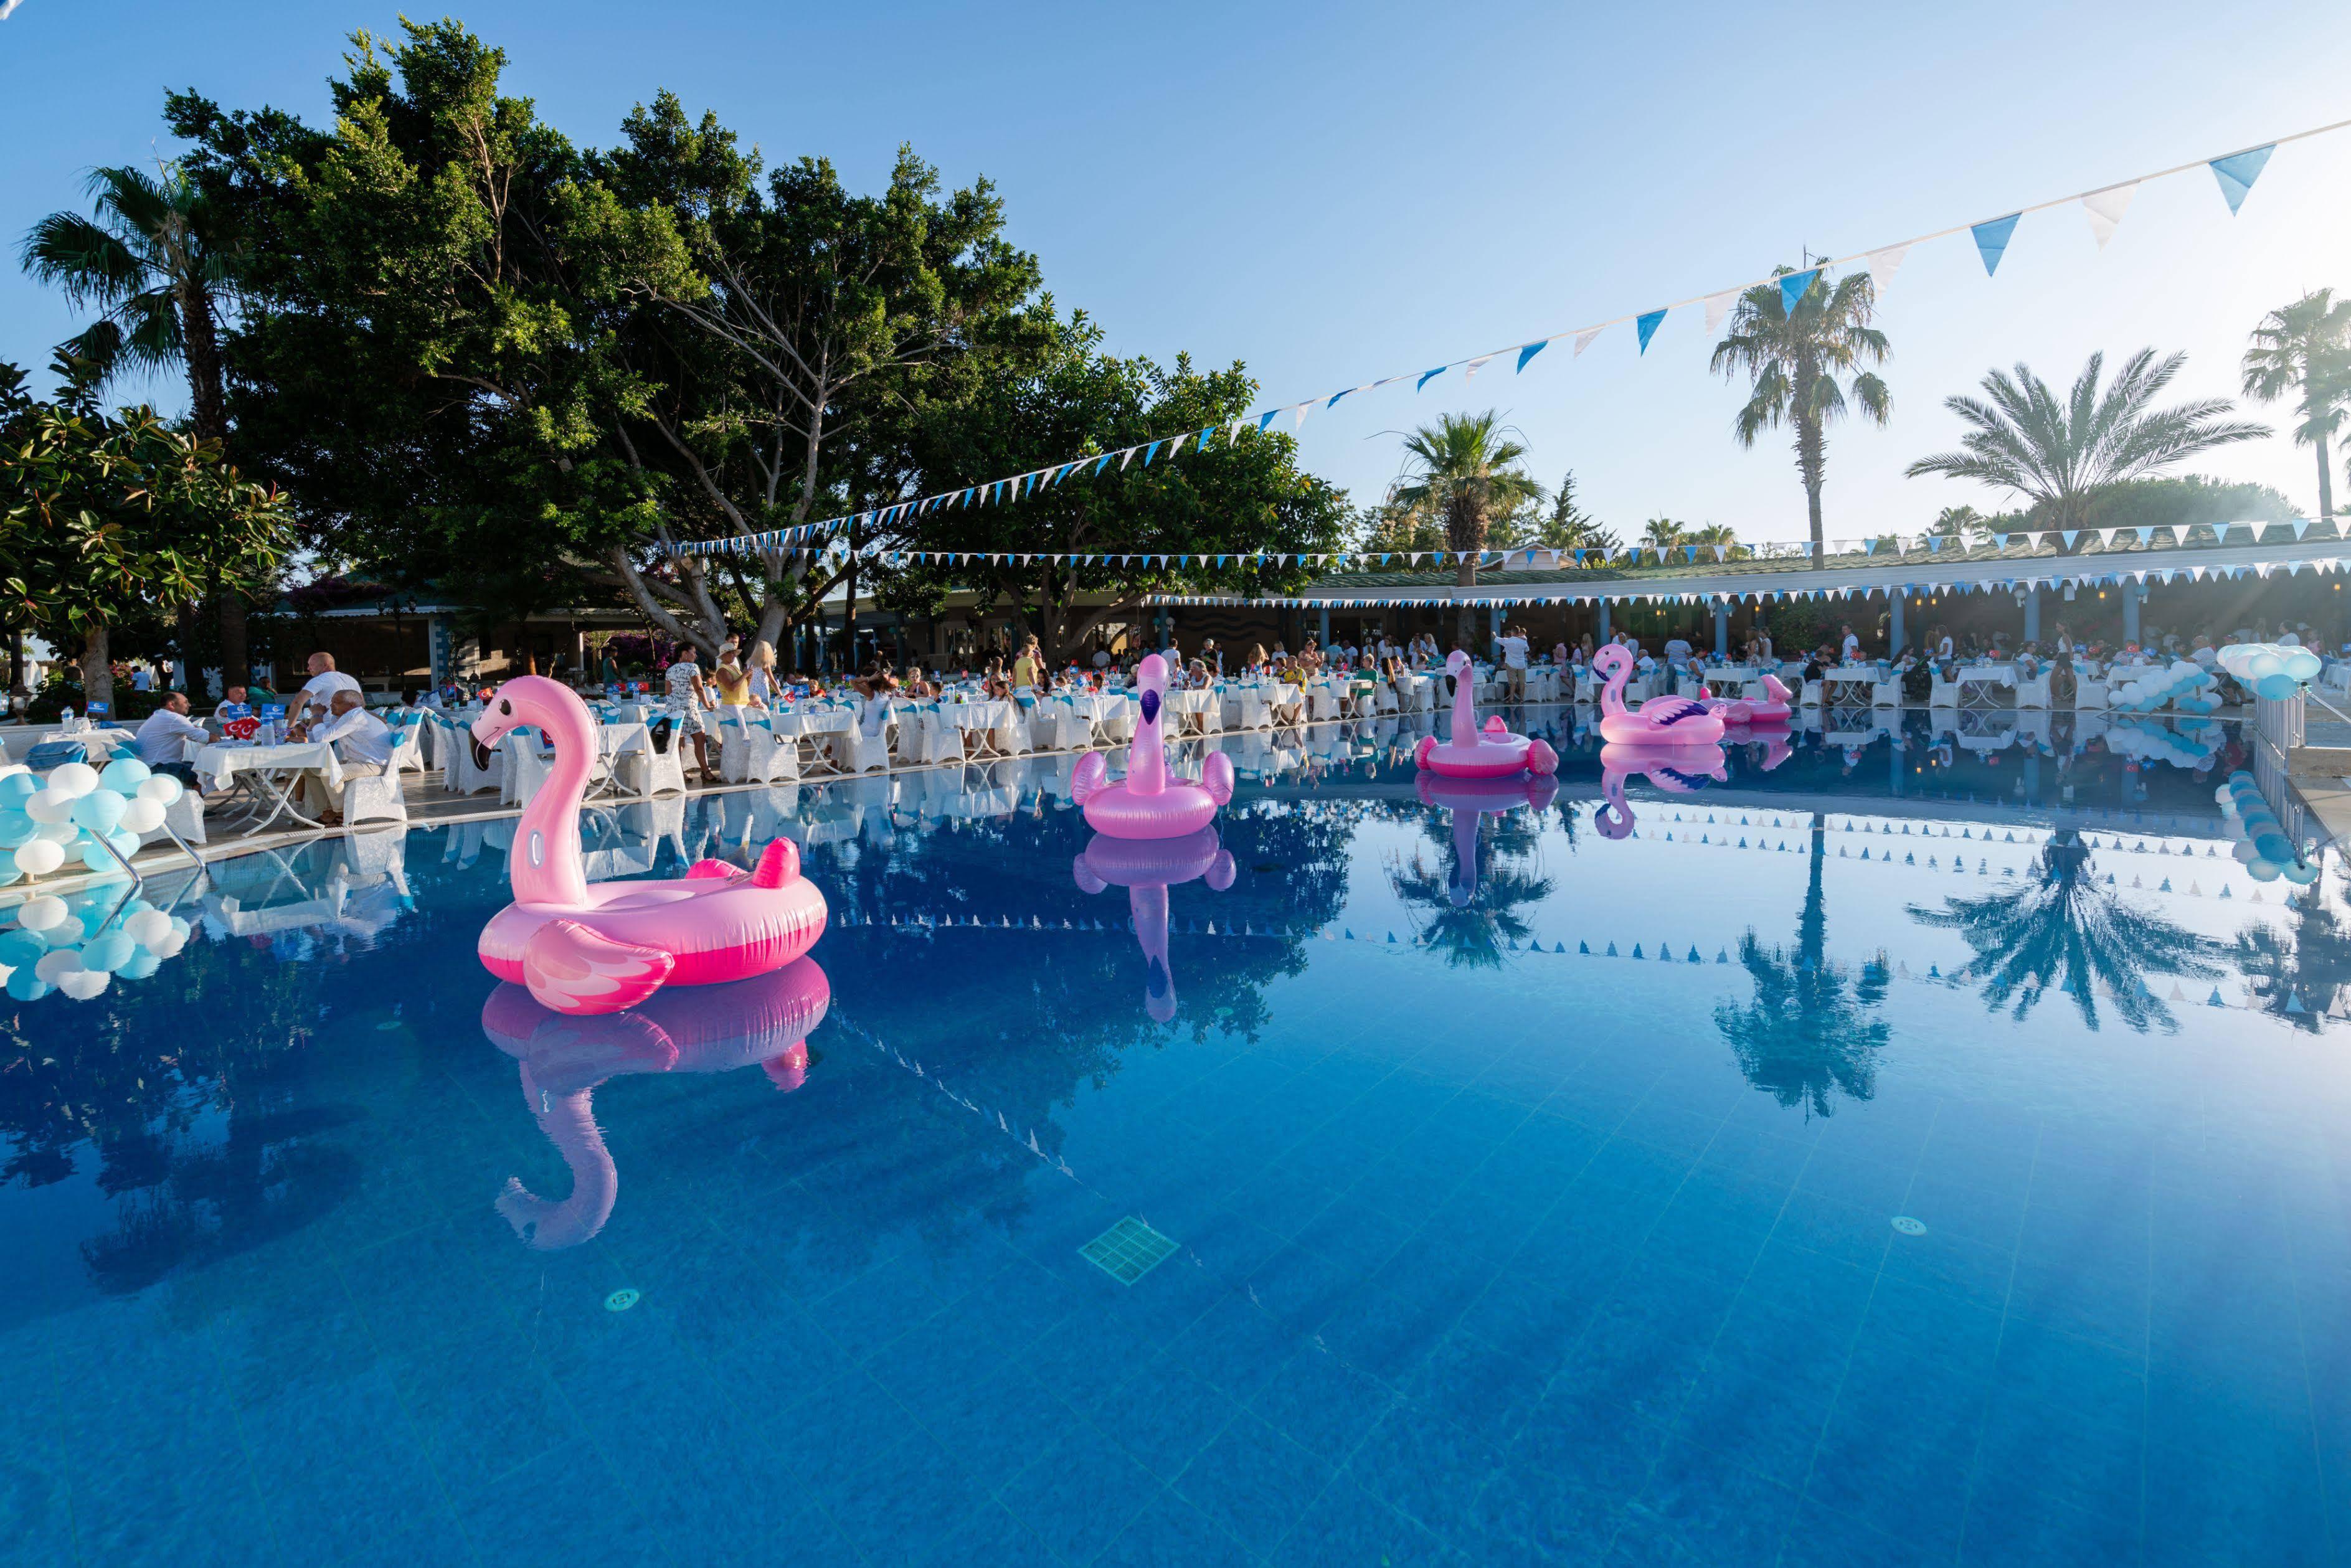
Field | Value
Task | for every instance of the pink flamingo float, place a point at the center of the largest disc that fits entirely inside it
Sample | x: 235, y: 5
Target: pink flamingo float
x: 1147, y: 869
x: 564, y: 1058
x: 1676, y: 769
x: 1660, y: 721
x: 1743, y: 712
x: 1493, y: 752
x: 1147, y: 804
x: 598, y: 947
x: 1472, y: 798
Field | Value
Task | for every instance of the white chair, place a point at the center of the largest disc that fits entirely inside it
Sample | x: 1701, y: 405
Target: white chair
x: 378, y: 797
x: 1943, y: 693
x: 1887, y: 692
x: 647, y: 771
x: 752, y: 753
x: 1117, y: 726
x: 2034, y: 692
x: 1811, y: 696
x: 2090, y: 694
x: 458, y: 774
x: 858, y: 749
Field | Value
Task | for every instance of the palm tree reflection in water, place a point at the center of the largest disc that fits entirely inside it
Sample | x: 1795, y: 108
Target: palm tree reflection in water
x: 1810, y: 1034
x: 2299, y: 974
x: 1470, y: 911
x: 2062, y: 929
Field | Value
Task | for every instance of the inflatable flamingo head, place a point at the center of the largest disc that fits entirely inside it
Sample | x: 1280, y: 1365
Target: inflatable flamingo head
x: 1455, y: 662
x: 1612, y: 660
x: 532, y: 701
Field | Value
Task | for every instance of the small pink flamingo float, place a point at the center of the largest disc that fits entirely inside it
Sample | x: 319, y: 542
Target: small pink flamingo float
x: 563, y: 1058
x: 1472, y: 798
x: 1744, y: 712
x: 1147, y: 804
x: 598, y: 947
x: 1676, y: 769
x: 1147, y: 869
x: 1660, y: 721
x: 1492, y: 752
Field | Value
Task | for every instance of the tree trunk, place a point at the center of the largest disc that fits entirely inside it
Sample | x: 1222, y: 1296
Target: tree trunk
x: 96, y: 674
x: 184, y: 654
x: 233, y: 665
x: 2325, y: 481
x: 1811, y: 460
x: 200, y: 344
x: 849, y: 612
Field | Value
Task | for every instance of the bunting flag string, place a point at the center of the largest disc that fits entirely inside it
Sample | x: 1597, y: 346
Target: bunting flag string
x: 2235, y: 173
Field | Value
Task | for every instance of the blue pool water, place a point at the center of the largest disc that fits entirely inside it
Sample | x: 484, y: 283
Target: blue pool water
x: 1537, y: 1209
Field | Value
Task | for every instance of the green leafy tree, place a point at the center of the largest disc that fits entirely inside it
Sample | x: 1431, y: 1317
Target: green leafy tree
x: 1465, y: 470
x: 1570, y: 527
x: 2305, y: 348
x: 2060, y: 930
x: 1192, y: 523
x: 1806, y: 370
x: 158, y: 257
x: 2061, y: 453
x: 1811, y: 1032
x: 103, y: 516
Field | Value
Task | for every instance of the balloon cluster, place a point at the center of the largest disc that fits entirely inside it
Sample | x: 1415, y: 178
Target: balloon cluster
x: 2145, y: 741
x: 75, y: 808
x: 2272, y: 670
x: 2175, y: 683
x: 2262, y: 847
x: 79, y: 948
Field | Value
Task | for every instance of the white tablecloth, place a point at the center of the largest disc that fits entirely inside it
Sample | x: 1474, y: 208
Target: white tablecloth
x: 221, y: 762
x: 1198, y: 711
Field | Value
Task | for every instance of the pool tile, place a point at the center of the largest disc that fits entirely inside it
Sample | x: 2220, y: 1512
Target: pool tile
x: 1323, y: 1404
x: 1974, y: 1274
x: 1253, y: 1482
x: 1823, y: 1537
x: 1707, y: 1509
x: 1079, y: 1494
x: 1763, y: 1398
x: 1428, y: 1471
x: 1478, y: 1387
x: 2037, y: 1459
x: 1171, y: 1533
x: 560, y: 1507
x: 1345, y: 1527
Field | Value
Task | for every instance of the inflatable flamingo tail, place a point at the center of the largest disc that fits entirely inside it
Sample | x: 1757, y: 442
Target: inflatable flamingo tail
x: 1420, y: 752
x: 1775, y: 690
x: 1541, y: 757
x: 571, y: 969
x: 1090, y: 777
x: 1217, y: 776
x: 779, y: 863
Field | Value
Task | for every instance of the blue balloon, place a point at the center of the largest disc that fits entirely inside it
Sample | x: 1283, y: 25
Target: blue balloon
x: 100, y: 811
x: 142, y: 965
x: 16, y: 830
x: 95, y: 857
x: 25, y: 986
x: 2276, y: 686
x: 18, y: 788
x: 109, y: 952
x: 124, y: 775
x: 2302, y: 664
x: 20, y: 949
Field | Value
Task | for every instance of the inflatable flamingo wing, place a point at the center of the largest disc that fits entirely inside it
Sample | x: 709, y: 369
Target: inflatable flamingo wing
x: 1492, y: 752
x: 1217, y: 778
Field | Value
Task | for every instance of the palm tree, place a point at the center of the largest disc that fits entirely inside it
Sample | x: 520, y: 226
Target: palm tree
x: 1810, y: 1034
x: 1662, y: 534
x: 1465, y: 471
x: 155, y: 259
x: 1721, y: 534
x: 2059, y: 454
x: 1472, y: 910
x: 2307, y: 346
x: 2062, y: 929
x: 1962, y: 523
x: 1794, y: 360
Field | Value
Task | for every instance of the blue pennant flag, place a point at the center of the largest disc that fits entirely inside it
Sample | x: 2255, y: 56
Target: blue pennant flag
x: 1791, y: 289
x: 1104, y: 461
x: 1531, y: 351
x: 2238, y: 171
x: 1151, y: 452
x: 1335, y: 397
x: 1200, y: 442
x: 1646, y: 325
x: 1264, y: 419
x: 1991, y: 240
x: 1427, y: 377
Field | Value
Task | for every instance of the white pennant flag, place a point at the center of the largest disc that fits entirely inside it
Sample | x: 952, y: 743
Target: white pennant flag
x: 1884, y: 265
x: 1584, y: 339
x: 2106, y: 209
x: 1474, y: 366
x: 1127, y: 456
x: 1302, y: 410
x: 1718, y: 306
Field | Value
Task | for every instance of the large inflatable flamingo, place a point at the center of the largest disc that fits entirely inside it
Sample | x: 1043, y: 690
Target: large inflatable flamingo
x: 1738, y: 712
x: 1660, y: 721
x: 1148, y: 870
x: 1473, y: 753
x: 1147, y: 804
x: 563, y: 1059
x: 1471, y: 798
x: 597, y: 948
x: 1676, y: 769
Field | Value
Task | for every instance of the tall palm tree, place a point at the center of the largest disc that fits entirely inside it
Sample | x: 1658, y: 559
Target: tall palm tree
x: 1805, y: 371
x: 2062, y: 929
x: 2305, y: 347
x: 1721, y: 534
x: 2061, y: 453
x: 1662, y: 534
x: 156, y: 257
x: 1811, y: 1033
x: 1464, y: 470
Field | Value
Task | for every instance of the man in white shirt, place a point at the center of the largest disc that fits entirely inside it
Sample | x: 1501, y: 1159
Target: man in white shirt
x: 1678, y: 648
x: 1513, y: 644
x: 163, y: 740
x: 363, y: 743
x: 318, y: 694
x: 1850, y: 650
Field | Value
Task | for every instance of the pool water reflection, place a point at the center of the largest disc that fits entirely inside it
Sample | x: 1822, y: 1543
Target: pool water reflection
x: 1534, y: 1174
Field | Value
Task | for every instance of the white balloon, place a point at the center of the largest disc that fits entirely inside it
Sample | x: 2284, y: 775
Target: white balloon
x: 169, y: 945
x: 162, y: 788
x: 57, y: 965
x: 142, y: 815
x: 84, y: 984
x: 73, y: 778
x: 49, y: 806
x: 40, y: 913
x: 149, y: 927
x: 59, y: 832
x: 38, y: 857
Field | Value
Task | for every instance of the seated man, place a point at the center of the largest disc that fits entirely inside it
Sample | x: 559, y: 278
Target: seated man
x: 163, y: 740
x: 363, y: 743
x: 233, y: 705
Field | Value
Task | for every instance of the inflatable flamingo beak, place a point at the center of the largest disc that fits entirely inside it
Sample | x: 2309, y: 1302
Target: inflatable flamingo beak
x: 497, y: 718
x: 1150, y: 708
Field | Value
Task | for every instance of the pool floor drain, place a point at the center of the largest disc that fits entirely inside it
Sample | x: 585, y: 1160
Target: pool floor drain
x: 1128, y: 1250
x: 1909, y: 1227
x: 621, y: 1300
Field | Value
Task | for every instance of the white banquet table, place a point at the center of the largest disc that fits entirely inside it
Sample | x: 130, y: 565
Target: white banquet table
x: 271, y: 772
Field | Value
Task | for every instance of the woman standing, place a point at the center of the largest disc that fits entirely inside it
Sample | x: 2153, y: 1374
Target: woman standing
x: 687, y: 701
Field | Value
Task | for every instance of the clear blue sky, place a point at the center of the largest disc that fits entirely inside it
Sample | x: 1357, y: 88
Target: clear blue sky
x: 1336, y: 192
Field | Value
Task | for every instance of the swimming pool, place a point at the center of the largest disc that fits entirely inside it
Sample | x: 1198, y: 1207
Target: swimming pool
x: 1928, y: 1149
